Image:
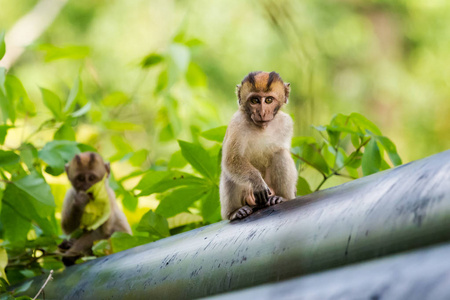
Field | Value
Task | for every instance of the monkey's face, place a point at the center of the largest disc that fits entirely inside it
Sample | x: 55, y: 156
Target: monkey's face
x: 262, y: 107
x: 261, y: 95
x: 83, y: 180
x: 85, y: 170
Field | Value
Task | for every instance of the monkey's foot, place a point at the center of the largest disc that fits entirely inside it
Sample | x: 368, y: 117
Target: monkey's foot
x: 70, y: 260
x: 65, y: 245
x: 274, y: 200
x: 242, y: 212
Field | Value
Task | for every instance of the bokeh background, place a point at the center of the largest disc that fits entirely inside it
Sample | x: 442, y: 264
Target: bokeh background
x: 158, y: 71
x: 385, y: 59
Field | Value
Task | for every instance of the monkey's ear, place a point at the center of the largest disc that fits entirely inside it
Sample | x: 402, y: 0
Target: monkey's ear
x: 287, y: 91
x: 238, y: 92
x: 108, y: 168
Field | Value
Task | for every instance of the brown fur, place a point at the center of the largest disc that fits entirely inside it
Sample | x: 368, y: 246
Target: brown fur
x: 86, y: 165
x: 256, y: 156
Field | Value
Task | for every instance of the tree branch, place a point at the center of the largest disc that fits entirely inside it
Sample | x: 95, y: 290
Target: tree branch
x: 29, y: 28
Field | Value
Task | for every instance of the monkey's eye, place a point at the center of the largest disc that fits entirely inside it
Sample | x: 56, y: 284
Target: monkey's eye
x: 92, y: 177
x: 80, y: 177
x: 269, y: 100
x: 254, y: 100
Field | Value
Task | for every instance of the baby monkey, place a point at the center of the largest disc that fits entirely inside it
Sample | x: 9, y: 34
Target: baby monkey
x: 83, y: 171
x: 257, y: 167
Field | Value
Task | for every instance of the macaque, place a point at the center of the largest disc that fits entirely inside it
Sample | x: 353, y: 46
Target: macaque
x: 83, y: 171
x: 257, y: 167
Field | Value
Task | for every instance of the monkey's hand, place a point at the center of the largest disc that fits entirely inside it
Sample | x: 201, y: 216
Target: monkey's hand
x: 261, y: 195
x: 241, y: 213
x: 82, y: 198
x: 274, y: 200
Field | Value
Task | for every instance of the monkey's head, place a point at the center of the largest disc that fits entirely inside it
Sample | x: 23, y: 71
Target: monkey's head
x: 261, y: 95
x: 86, y: 169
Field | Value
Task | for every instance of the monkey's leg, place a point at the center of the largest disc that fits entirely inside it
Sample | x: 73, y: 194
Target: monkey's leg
x: 232, y: 200
x: 281, y: 176
x: 82, y: 246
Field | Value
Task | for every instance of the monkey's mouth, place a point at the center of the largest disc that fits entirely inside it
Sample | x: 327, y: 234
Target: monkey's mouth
x: 261, y: 123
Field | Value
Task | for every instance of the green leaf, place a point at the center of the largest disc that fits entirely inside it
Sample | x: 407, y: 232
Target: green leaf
x: 215, y: 134
x: 3, y: 263
x: 14, y: 225
x: 139, y: 157
x: 6, y: 102
x: 390, y: 149
x: 51, y: 263
x: 2, y: 44
x: 300, y: 140
x: 36, y: 188
x: 303, y: 186
x: 16, y: 92
x: 195, y: 76
x: 310, y: 155
x: 57, y: 153
x: 84, y: 148
x: 65, y: 132
x: 352, y: 171
x: 52, y: 102
x: 23, y: 287
x: 3, y: 288
x: 354, y: 160
x: 364, y: 124
x: 371, y: 159
x: 74, y: 92
x: 8, y: 158
x: 130, y: 202
x: 356, y: 140
x: 122, y: 241
x: 98, y: 210
x: 150, y: 179
x: 154, y: 223
x: 193, y: 43
x: 3, y: 132
x: 151, y: 60
x: 161, y: 181
x: 115, y: 99
x: 199, y: 159
x: 101, y: 248
x: 177, y: 160
x: 211, y: 206
x: 67, y: 52
x: 163, y: 81
x: 82, y: 110
x: 179, y: 200
x: 183, y: 219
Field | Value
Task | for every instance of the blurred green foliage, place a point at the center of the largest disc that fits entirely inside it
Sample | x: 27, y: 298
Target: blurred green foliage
x: 150, y: 85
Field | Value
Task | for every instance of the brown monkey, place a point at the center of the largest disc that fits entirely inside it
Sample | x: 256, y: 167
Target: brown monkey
x: 83, y: 171
x: 257, y: 167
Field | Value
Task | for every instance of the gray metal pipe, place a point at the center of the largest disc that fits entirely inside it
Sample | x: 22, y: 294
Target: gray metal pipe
x: 418, y: 275
x: 400, y: 209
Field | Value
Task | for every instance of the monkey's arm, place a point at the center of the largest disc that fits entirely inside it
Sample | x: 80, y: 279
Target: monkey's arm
x: 72, y: 210
x: 241, y: 171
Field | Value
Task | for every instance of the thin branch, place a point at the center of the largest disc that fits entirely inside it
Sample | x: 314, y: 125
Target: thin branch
x: 29, y: 28
x: 325, y: 178
x: 45, y: 283
x: 306, y: 162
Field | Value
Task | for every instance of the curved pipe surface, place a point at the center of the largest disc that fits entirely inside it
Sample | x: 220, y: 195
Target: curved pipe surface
x: 396, y: 210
